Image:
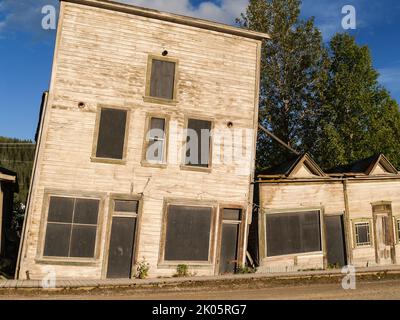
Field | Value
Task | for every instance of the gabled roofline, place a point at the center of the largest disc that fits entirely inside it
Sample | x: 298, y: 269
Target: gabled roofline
x: 311, y: 163
x: 175, y: 18
x: 304, y: 158
x: 385, y: 163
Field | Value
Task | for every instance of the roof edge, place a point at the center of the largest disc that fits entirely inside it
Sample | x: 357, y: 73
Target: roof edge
x: 170, y: 17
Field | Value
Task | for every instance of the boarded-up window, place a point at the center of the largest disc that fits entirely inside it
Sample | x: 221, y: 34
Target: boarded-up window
x: 111, y: 136
x: 198, y: 142
x: 188, y: 233
x: 291, y: 233
x: 363, y: 237
x: 156, y: 140
x: 162, y: 81
x: 71, y: 227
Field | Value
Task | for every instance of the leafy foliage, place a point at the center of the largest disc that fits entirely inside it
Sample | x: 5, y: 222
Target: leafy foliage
x: 142, y: 269
x: 294, y: 73
x: 182, y: 270
x: 323, y: 100
x: 17, y: 155
x: 359, y: 118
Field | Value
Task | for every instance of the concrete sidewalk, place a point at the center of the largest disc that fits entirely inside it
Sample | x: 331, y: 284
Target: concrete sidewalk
x: 160, y: 282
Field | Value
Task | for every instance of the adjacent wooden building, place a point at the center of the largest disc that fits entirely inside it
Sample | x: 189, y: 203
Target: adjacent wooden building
x: 8, y: 186
x: 125, y: 80
x: 310, y: 219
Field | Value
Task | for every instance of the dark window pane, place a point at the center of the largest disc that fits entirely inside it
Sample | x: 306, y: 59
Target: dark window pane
x: 83, y: 241
x: 86, y: 211
x: 362, y: 234
x: 188, y: 233
x: 198, y: 143
x: 291, y: 233
x: 310, y: 232
x: 157, y: 125
x: 162, y: 79
x: 126, y: 206
x: 111, y: 139
x: 232, y: 214
x: 60, y: 209
x: 57, y: 240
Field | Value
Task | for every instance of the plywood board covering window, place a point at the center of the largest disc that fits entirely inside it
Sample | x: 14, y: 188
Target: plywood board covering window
x: 293, y: 233
x: 71, y: 227
x: 161, y: 79
x: 198, y: 143
x: 111, y: 133
x: 188, y: 233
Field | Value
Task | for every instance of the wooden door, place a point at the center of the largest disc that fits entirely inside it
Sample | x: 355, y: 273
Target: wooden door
x: 230, y: 234
x: 120, y: 256
x: 335, y: 241
x: 384, y: 238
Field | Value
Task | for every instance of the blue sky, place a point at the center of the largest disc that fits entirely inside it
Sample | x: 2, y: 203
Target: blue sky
x: 26, y: 50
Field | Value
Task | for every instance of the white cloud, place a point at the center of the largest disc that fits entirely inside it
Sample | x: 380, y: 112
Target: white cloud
x: 226, y: 11
x: 23, y: 16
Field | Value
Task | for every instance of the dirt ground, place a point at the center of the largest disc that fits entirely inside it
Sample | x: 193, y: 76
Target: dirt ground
x: 366, y: 289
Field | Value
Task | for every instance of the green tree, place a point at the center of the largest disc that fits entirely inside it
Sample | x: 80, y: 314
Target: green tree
x: 359, y: 117
x: 293, y: 77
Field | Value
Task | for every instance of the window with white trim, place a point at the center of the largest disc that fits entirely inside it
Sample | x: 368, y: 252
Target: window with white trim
x: 362, y: 234
x: 156, y: 140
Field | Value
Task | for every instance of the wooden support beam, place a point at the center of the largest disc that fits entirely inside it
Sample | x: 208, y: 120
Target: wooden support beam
x: 278, y: 140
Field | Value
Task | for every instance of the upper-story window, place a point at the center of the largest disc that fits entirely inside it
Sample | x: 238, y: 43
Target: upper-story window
x: 198, y: 143
x: 156, y: 140
x: 161, y: 79
x: 111, y: 134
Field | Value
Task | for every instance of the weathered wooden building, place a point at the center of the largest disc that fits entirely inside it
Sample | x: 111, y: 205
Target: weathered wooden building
x: 8, y: 186
x: 310, y: 219
x: 126, y: 79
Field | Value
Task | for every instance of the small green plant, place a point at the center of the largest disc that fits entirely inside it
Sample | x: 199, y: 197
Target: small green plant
x: 182, y: 270
x: 245, y: 270
x: 333, y: 266
x: 142, y: 269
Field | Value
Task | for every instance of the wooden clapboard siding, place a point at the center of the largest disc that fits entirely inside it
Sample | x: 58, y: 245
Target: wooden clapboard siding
x: 101, y: 59
x: 329, y: 195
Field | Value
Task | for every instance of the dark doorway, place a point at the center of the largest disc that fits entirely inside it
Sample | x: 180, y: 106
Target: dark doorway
x: 335, y: 241
x: 120, y: 257
x: 229, y: 241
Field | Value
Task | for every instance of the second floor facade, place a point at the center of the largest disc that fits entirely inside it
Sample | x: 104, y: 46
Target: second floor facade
x: 132, y: 92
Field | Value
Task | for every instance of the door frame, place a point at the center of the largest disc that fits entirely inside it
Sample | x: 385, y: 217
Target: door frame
x: 110, y: 216
x: 241, y: 240
x: 377, y: 210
